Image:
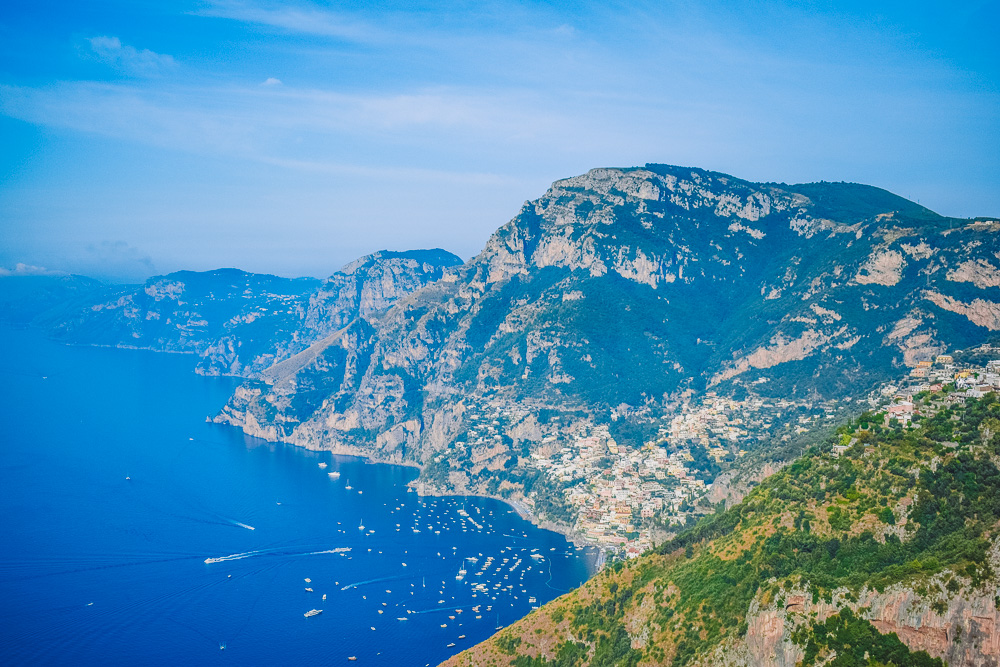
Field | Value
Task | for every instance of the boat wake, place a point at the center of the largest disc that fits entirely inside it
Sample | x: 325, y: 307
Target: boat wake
x: 375, y: 581
x: 274, y: 552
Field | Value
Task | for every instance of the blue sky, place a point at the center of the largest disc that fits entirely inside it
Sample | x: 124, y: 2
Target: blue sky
x: 146, y: 137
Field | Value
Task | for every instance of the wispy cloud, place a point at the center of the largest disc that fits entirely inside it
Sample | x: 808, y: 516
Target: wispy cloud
x: 22, y: 269
x: 129, y: 59
x: 120, y: 257
x: 269, y: 122
x: 305, y: 19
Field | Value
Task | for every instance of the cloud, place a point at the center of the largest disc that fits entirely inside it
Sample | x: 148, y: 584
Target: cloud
x: 129, y: 59
x: 305, y: 19
x: 119, y: 254
x: 22, y: 269
x: 269, y: 122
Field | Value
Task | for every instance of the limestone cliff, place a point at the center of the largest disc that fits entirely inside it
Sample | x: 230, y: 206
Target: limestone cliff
x: 622, y: 291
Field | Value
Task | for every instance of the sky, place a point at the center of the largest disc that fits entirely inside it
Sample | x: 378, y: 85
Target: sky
x: 140, y: 138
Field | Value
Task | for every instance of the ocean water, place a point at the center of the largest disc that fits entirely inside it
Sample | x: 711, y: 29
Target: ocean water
x: 115, y: 491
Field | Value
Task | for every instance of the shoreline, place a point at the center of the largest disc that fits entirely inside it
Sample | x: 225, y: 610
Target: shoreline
x: 422, y: 488
x: 571, y: 535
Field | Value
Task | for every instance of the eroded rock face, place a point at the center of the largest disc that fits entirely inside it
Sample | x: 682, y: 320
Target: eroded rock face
x: 978, y: 311
x: 964, y: 634
x: 883, y: 267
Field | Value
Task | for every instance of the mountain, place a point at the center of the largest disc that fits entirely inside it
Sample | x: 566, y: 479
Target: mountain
x: 878, y: 547
x: 621, y: 296
x: 241, y: 323
x: 24, y: 298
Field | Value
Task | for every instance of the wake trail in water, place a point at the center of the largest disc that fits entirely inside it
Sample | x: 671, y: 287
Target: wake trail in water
x: 437, y: 609
x: 274, y: 552
x: 100, y: 567
x: 375, y: 581
x: 549, y: 584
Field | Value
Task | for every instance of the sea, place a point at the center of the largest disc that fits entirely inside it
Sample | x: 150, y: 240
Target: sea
x: 134, y: 531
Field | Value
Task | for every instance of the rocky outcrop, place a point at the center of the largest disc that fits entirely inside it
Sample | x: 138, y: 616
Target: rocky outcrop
x: 979, y: 311
x: 963, y: 631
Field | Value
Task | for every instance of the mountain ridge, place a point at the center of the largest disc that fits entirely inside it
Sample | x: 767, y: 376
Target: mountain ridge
x: 531, y: 320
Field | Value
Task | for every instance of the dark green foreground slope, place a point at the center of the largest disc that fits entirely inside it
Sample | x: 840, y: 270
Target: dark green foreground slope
x: 824, y: 559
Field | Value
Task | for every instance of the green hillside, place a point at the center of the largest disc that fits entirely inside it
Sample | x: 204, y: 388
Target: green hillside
x: 893, y: 509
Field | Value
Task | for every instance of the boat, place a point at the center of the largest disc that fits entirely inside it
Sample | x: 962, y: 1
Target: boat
x: 322, y: 465
x: 334, y: 475
x: 313, y: 612
x: 351, y: 658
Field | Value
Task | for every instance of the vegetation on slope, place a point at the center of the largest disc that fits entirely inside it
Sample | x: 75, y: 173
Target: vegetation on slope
x: 915, y: 506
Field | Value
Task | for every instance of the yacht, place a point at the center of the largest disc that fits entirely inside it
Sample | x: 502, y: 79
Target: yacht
x: 313, y: 612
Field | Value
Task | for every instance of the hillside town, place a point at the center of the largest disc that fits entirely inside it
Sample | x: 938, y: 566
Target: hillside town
x: 962, y: 381
x: 622, y: 496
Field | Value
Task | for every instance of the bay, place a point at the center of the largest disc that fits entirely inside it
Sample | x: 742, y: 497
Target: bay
x: 115, y: 491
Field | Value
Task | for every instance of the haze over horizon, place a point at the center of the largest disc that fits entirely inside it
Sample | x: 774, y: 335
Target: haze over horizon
x: 290, y: 138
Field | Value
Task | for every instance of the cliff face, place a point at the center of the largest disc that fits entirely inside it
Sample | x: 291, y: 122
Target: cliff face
x: 242, y: 323
x: 963, y: 631
x: 621, y: 291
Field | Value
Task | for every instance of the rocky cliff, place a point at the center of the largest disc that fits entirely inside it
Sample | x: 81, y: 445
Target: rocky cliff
x: 622, y: 292
x: 242, y: 323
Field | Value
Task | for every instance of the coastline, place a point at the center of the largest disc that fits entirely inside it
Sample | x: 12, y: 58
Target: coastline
x: 422, y: 488
x: 571, y: 535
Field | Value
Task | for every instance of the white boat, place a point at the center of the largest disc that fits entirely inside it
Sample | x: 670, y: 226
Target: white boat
x: 334, y: 475
x: 322, y: 464
x: 313, y: 612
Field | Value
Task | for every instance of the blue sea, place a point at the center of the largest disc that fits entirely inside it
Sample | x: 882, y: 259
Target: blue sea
x: 132, y: 531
